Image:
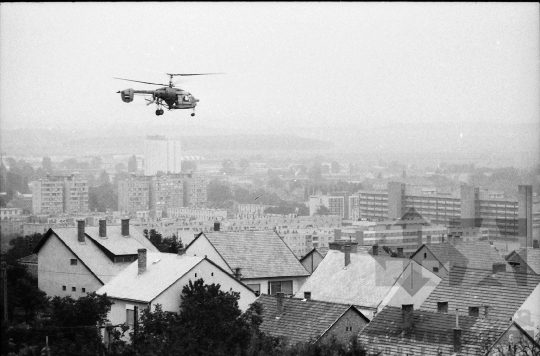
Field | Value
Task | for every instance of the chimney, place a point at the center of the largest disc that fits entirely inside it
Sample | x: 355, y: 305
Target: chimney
x: 429, y: 240
x: 238, y: 273
x: 499, y: 267
x: 359, y: 237
x: 337, y: 234
x: 375, y: 250
x: 457, y: 334
x: 125, y: 227
x: 307, y: 295
x: 141, y: 260
x: 80, y: 230
x: 400, y: 252
x: 102, y: 228
x: 407, y: 316
x: 279, y: 298
x: 419, y: 240
x: 347, y: 250
x: 217, y: 226
x: 535, y: 243
x: 486, y: 312
x: 181, y: 251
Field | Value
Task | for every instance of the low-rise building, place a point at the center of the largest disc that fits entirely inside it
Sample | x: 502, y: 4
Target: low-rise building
x: 525, y: 260
x: 259, y: 258
x: 73, y: 261
x: 409, y: 331
x: 158, y: 278
x: 308, y: 320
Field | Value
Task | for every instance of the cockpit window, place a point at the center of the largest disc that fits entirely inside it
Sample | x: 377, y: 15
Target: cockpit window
x: 186, y: 98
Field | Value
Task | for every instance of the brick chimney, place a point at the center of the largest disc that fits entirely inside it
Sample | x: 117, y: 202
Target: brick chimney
x: 217, y: 226
x: 407, y: 312
x: 125, y: 227
x: 279, y: 299
x: 457, y: 334
x: 400, y: 252
x: 347, y: 250
x: 375, y: 250
x: 337, y: 234
x: 102, y: 228
x: 359, y: 234
x: 141, y: 260
x: 307, y: 295
x: 181, y: 251
x: 499, y: 267
x: 419, y: 240
x: 80, y: 230
x: 238, y: 273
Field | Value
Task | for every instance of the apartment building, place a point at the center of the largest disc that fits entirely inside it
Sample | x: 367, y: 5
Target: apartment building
x: 469, y: 207
x: 337, y: 204
x: 161, y: 193
x: 60, y: 194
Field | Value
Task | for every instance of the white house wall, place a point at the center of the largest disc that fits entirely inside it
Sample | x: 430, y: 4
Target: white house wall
x: 202, y: 247
x: 528, y: 315
x: 55, y: 270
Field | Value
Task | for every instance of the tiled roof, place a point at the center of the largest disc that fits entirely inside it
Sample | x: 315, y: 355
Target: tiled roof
x: 118, y: 244
x: 260, y: 254
x: 162, y: 270
x: 481, y: 254
x: 302, y: 320
x: 33, y: 258
x: 431, y: 333
x: 531, y: 256
x: 364, y: 282
x: 447, y: 253
x: 503, y: 292
x: 91, y: 253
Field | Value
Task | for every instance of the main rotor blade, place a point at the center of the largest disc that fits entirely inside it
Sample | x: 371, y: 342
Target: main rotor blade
x: 138, y: 81
x: 188, y: 74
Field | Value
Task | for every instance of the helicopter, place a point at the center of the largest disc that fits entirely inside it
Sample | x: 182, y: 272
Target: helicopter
x: 168, y: 96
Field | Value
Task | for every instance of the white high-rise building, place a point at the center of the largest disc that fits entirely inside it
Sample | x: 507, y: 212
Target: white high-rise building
x: 162, y: 155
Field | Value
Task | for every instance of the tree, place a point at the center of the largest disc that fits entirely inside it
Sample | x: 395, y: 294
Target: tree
x: 155, y: 237
x: 46, y: 164
x: 189, y: 166
x: 75, y: 324
x: 103, y: 178
x: 120, y: 167
x: 323, y: 210
x: 132, y: 164
x: 243, y: 164
x: 315, y: 171
x: 218, y: 192
x: 227, y: 167
x: 102, y: 198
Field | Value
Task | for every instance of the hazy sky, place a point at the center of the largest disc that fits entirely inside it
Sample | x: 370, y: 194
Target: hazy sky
x: 287, y: 64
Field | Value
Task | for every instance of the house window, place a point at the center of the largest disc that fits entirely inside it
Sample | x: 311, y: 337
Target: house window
x: 436, y: 269
x: 474, y: 311
x: 84, y: 290
x: 130, y: 315
x: 281, y: 286
x: 425, y: 255
x: 256, y: 288
x: 63, y: 287
x: 73, y: 261
x: 442, y: 307
x: 73, y: 289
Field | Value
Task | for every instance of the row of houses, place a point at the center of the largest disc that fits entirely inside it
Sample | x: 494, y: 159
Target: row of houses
x: 391, y: 304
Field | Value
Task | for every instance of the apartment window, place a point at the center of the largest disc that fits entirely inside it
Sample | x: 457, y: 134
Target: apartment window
x: 442, y: 307
x: 280, y: 286
x: 63, y: 287
x: 73, y: 261
x: 436, y: 269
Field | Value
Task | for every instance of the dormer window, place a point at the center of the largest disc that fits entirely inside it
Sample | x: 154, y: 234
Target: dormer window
x: 442, y: 307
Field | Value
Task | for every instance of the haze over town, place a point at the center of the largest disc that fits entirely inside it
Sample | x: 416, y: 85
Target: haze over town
x: 340, y: 150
